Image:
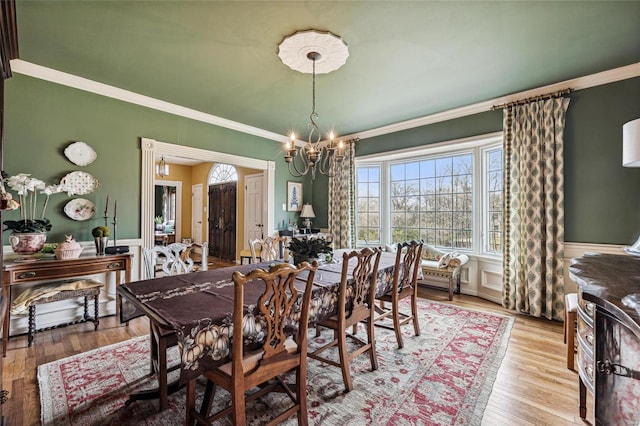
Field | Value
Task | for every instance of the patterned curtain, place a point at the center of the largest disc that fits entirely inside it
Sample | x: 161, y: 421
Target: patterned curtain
x: 534, y: 208
x: 342, y: 200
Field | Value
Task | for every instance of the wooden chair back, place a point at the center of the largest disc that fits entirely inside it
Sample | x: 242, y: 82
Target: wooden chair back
x: 358, y: 285
x: 269, y: 248
x: 173, y: 259
x: 408, y: 261
x: 282, y: 310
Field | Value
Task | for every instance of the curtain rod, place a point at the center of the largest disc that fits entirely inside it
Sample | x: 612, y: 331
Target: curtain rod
x: 533, y: 98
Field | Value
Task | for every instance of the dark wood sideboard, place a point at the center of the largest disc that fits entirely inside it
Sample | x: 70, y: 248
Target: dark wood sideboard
x: 608, y: 337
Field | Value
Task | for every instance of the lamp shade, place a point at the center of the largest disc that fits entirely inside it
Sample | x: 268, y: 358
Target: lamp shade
x: 631, y: 143
x: 307, y: 211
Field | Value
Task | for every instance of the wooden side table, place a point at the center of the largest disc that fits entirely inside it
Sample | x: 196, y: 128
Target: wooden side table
x: 14, y: 273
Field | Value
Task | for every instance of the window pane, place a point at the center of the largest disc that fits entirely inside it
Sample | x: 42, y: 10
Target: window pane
x: 494, y: 201
x: 368, y: 204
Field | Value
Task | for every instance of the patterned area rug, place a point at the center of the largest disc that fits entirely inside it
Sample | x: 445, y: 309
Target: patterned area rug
x: 442, y: 377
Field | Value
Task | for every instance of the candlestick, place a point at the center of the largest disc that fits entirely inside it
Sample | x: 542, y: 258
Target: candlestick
x: 106, y: 206
x: 115, y: 228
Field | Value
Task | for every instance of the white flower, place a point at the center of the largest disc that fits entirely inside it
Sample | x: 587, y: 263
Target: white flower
x: 27, y: 187
x: 52, y: 189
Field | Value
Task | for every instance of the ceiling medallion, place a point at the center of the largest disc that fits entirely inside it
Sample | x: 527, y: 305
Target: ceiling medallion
x: 294, y: 49
x: 313, y: 52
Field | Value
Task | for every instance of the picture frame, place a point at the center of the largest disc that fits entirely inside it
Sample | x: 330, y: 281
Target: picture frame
x: 294, y: 196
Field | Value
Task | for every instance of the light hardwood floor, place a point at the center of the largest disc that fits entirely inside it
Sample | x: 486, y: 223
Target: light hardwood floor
x: 533, y: 386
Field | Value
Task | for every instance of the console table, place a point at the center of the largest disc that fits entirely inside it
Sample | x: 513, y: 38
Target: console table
x: 608, y: 337
x: 16, y: 273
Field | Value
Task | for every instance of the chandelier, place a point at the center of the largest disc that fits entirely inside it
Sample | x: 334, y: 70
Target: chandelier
x: 323, y: 52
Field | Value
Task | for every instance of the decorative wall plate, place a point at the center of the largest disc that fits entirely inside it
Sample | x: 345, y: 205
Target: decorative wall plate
x: 80, y: 209
x: 80, y: 183
x: 80, y: 153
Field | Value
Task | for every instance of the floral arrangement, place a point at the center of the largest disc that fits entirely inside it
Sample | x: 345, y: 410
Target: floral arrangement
x: 308, y: 248
x: 27, y: 189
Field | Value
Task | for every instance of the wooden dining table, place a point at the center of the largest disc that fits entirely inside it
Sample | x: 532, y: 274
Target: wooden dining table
x: 198, y: 307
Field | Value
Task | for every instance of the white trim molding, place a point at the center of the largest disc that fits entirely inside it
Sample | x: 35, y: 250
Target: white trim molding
x: 54, y: 76
x: 48, y: 74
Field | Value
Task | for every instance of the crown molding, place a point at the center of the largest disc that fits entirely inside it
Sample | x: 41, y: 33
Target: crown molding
x: 66, y: 79
x: 585, y: 82
x: 59, y: 77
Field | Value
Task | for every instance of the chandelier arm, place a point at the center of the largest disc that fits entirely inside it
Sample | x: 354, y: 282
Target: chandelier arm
x: 303, y: 171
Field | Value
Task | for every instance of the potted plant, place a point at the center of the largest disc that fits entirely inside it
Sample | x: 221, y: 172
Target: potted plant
x: 308, y: 248
x: 29, y: 232
x: 101, y: 238
x: 159, y: 221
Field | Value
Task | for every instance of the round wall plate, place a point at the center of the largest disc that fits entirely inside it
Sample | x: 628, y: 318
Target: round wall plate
x: 80, y: 153
x: 80, y: 209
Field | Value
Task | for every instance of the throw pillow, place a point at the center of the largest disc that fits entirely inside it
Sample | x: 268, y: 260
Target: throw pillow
x: 431, y: 253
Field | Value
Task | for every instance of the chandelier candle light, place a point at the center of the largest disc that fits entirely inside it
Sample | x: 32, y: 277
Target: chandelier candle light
x: 311, y: 51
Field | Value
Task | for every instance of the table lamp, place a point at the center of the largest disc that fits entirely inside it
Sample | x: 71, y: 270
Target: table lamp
x: 307, y: 213
x: 631, y: 158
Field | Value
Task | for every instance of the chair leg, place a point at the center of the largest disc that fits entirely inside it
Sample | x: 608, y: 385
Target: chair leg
x: 373, y: 357
x: 450, y: 288
x: 396, y: 323
x: 238, y: 403
x: 344, y: 361
x: 414, y: 311
x: 301, y: 394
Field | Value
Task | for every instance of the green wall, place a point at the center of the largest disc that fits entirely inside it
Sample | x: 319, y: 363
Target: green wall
x: 602, y: 198
x: 42, y: 118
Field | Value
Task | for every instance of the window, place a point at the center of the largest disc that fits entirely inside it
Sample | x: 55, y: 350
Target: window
x: 449, y: 195
x: 493, y: 198
x: 368, y: 204
x: 221, y: 173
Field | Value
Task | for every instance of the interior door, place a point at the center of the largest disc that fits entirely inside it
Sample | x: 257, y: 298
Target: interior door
x: 196, y: 213
x: 222, y: 220
x: 253, y: 216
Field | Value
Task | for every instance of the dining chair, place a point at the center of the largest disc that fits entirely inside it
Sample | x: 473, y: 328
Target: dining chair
x: 266, y: 249
x: 404, y: 285
x: 280, y: 308
x: 173, y: 259
x: 355, y: 304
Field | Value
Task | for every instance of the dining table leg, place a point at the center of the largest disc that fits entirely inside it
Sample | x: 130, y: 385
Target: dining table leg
x: 191, y: 402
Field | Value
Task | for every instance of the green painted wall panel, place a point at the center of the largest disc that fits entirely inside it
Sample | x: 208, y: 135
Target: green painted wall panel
x: 602, y: 198
x: 42, y: 118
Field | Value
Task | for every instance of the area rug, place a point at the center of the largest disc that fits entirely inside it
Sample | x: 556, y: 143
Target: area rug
x: 442, y: 377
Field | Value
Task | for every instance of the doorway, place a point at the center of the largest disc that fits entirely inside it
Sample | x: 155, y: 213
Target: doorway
x: 167, y: 207
x: 222, y: 220
x: 150, y: 148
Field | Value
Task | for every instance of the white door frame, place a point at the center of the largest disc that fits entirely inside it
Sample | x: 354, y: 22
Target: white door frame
x: 194, y: 226
x: 149, y: 149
